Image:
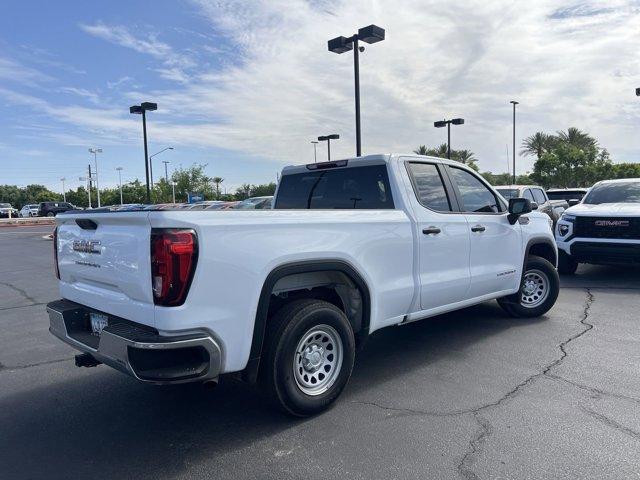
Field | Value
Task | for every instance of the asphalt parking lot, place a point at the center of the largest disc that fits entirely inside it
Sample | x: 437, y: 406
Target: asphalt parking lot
x: 468, y: 395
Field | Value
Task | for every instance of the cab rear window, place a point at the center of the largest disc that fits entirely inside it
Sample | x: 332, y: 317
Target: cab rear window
x: 364, y: 187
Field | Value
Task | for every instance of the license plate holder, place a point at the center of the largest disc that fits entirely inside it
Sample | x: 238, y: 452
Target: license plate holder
x: 98, y: 323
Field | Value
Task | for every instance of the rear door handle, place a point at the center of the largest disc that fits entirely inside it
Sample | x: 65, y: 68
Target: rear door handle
x: 431, y: 230
x: 478, y: 228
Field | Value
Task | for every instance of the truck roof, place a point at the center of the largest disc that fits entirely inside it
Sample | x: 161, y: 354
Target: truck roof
x: 374, y: 159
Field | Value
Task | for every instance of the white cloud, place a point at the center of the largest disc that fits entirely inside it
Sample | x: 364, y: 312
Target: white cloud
x: 176, y: 63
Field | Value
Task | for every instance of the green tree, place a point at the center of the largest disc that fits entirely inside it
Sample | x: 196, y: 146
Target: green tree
x: 576, y: 138
x: 463, y: 156
x: 217, y: 181
x: 537, y: 144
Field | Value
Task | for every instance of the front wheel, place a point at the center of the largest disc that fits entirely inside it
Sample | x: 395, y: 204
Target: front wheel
x: 538, y: 291
x: 51, y: 214
x: 308, y: 358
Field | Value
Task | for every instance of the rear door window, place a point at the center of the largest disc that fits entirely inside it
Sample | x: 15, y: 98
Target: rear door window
x: 528, y: 195
x: 364, y: 187
x: 429, y: 187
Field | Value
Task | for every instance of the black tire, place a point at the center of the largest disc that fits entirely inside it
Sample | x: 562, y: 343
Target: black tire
x: 566, y: 264
x: 286, y: 331
x: 535, y: 300
x: 51, y: 214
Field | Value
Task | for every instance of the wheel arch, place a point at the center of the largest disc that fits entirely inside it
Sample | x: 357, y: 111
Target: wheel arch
x: 542, y: 247
x: 297, y: 268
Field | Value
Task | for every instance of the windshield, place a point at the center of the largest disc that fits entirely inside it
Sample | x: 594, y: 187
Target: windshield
x: 508, y: 192
x: 565, y: 195
x: 619, y: 192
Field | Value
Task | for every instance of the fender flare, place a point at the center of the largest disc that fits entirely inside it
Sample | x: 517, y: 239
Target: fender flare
x: 540, y: 240
x: 250, y: 373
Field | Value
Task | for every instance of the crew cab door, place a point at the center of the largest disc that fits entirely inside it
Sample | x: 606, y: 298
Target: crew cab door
x: 442, y: 236
x: 496, y: 252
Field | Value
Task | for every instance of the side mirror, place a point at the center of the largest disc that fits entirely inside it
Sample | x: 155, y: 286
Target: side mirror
x: 573, y: 201
x: 517, y: 207
x: 534, y: 205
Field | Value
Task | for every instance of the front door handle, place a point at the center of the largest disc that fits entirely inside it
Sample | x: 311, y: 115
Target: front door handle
x: 431, y: 230
x: 478, y: 228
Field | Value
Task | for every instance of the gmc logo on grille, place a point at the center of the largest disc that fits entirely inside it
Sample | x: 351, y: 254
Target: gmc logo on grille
x: 611, y: 223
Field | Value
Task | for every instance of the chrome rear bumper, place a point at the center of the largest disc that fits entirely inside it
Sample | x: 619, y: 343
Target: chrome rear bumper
x: 135, y: 349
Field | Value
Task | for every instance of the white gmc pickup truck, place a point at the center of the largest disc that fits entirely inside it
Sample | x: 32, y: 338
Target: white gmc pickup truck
x: 284, y: 296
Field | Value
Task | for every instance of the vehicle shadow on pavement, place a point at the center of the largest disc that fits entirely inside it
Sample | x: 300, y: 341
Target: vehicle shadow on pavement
x: 101, y: 424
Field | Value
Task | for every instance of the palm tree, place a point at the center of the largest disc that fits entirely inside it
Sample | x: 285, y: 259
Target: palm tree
x: 577, y: 138
x: 465, y: 156
x: 217, y: 181
x: 537, y: 144
x: 421, y: 150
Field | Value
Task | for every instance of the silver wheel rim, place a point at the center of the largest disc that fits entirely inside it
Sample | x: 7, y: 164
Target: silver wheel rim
x: 535, y: 288
x: 317, y: 360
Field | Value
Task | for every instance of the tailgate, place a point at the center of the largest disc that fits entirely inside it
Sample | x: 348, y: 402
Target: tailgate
x: 104, y: 262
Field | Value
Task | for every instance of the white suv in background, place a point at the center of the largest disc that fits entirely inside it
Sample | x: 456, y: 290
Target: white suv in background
x: 603, y: 229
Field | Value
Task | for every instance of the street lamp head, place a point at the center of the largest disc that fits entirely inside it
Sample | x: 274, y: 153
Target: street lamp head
x: 314, y: 141
x: 170, y: 148
x: 340, y: 45
x: 119, y: 168
x: 514, y: 102
x: 135, y: 109
x: 95, y: 150
x: 458, y: 121
x: 333, y: 136
x: 149, y: 106
x: 440, y: 124
x: 371, y: 34
x: 637, y: 92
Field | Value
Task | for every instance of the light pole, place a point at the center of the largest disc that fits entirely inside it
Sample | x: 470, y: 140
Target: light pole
x: 328, y: 138
x: 141, y: 110
x: 370, y: 34
x: 151, y: 161
x: 166, y: 172
x: 514, y: 139
x: 173, y: 188
x: 315, y: 153
x: 64, y: 192
x: 95, y: 152
x: 448, y: 123
x: 119, y: 169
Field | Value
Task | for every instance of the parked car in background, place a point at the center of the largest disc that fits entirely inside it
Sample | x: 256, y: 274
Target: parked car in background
x: 534, y: 193
x: 30, y: 210
x: 254, y: 203
x: 283, y: 296
x: 603, y: 229
x: 6, y: 211
x: 573, y: 196
x: 222, y: 206
x: 129, y: 207
x: 205, y: 205
x: 51, y: 209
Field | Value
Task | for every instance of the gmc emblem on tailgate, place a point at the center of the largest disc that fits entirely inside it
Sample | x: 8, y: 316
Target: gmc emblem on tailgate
x: 611, y: 223
x: 87, y: 246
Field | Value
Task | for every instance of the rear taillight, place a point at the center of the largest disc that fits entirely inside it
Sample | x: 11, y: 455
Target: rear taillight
x: 174, y: 254
x: 55, y: 252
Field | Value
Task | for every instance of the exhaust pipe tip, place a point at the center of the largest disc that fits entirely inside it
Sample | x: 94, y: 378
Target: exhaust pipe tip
x: 210, y: 384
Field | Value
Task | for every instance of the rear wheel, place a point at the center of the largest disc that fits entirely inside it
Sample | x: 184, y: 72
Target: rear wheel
x: 51, y: 214
x: 566, y: 264
x: 538, y: 290
x: 308, y: 358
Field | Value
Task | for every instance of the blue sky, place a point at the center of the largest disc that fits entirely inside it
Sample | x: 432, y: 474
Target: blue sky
x: 245, y: 85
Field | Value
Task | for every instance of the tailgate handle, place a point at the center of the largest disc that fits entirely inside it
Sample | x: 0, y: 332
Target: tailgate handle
x: 86, y: 224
